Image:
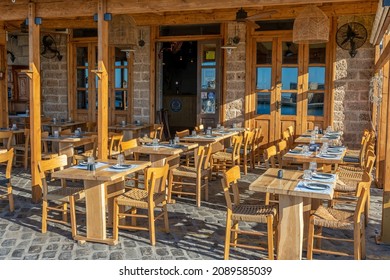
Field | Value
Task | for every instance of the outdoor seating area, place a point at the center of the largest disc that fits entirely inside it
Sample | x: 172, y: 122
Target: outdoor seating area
x: 245, y: 130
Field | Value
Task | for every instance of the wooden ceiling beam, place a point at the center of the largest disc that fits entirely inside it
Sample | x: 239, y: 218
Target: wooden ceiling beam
x: 50, y: 9
x: 209, y: 16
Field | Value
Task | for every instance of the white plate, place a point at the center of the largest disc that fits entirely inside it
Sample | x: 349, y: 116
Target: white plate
x: 124, y: 166
x: 83, y: 163
x: 209, y: 136
x: 335, y: 150
x: 322, y: 176
x: 328, y: 156
x: 316, y: 186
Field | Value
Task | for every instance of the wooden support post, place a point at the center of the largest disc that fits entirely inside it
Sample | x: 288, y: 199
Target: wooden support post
x: 102, y: 81
x: 3, y: 78
x: 35, y: 101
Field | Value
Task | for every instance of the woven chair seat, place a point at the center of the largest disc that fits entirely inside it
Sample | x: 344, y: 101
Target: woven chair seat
x: 345, y: 185
x: 334, y: 218
x: 353, y: 153
x: 248, y: 151
x: 252, y: 213
x: 224, y: 156
x: 139, y: 198
x: 349, y: 175
x: 187, y: 171
x: 64, y: 193
x: 348, y: 168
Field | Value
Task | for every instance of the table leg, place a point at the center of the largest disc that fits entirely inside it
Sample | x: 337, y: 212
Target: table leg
x: 290, y: 227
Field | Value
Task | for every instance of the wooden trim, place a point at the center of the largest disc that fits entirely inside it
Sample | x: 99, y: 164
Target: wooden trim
x: 383, y: 58
x: 187, y: 38
x: 223, y: 97
x: 331, y: 70
x: 249, y: 105
x: 4, y: 80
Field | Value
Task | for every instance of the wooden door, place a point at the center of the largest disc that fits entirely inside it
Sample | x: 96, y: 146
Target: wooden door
x: 289, y: 85
x: 208, y: 93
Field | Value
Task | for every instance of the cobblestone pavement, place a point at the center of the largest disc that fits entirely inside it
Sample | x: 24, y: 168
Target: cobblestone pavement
x: 196, y: 233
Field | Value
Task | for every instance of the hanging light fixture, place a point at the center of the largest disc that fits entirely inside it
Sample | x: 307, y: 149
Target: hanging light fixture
x: 311, y: 26
x: 229, y: 47
x: 122, y: 33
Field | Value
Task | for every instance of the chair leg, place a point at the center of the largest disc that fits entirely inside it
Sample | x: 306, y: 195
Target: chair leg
x: 198, y: 190
x: 235, y: 234
x: 310, y: 240
x: 115, y: 222
x: 166, y: 222
x: 363, y: 242
x: 206, y: 189
x: 11, y: 200
x: 170, y: 186
x: 73, y: 224
x: 227, y: 236
x: 44, y: 216
x: 152, y: 230
x: 245, y: 165
x: 367, y: 210
x: 270, y: 237
x: 357, y: 241
x: 65, y: 212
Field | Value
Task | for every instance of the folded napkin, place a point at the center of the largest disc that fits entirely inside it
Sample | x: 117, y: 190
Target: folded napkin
x: 312, y: 186
x: 84, y: 165
x: 119, y: 168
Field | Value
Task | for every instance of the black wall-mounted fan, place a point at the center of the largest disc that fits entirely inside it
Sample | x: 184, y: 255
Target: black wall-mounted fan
x: 49, y: 48
x: 351, y: 36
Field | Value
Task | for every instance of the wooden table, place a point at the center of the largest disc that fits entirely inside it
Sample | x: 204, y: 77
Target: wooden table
x: 220, y: 137
x: 66, y: 144
x: 130, y: 130
x: 96, y: 184
x: 163, y: 153
x: 306, y: 138
x: 294, y: 206
x: 58, y: 125
x: 307, y: 158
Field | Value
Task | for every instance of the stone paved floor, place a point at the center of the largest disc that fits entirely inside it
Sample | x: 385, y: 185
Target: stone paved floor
x: 196, y: 233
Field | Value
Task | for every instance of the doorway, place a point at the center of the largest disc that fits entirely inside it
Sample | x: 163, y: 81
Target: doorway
x: 189, y: 84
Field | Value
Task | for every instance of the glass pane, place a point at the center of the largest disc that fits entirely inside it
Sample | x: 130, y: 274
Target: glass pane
x: 289, y: 78
x: 264, y: 53
x: 120, y: 57
x: 82, y: 99
x: 82, y: 78
x: 316, y: 78
x: 208, y: 78
x: 315, y: 104
x: 208, y: 102
x: 120, y: 100
x: 317, y: 53
x: 289, y: 103
x: 263, y: 103
x: 263, y: 78
x: 290, y: 53
x: 121, y: 78
x: 82, y: 56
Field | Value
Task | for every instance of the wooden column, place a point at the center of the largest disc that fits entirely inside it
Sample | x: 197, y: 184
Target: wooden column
x: 35, y: 101
x: 102, y: 81
x: 3, y: 78
x: 385, y: 232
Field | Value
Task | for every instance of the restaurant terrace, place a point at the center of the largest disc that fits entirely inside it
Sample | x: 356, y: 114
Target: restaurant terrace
x: 171, y: 129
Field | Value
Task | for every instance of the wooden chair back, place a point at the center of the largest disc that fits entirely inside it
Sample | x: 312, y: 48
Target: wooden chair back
x: 199, y: 128
x: 183, y: 133
x: 125, y: 147
x: 282, y: 149
x: 6, y: 139
x: 362, y: 193
x: 156, y: 180
x: 52, y: 164
x: 66, y: 132
x: 157, y: 131
x: 114, y: 144
x: 90, y: 126
x: 269, y: 156
x: 230, y: 186
x: 236, y: 142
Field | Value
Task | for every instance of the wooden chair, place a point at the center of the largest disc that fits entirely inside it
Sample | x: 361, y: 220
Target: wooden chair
x: 114, y: 145
x: 186, y: 158
x: 90, y: 126
x: 238, y: 212
x: 66, y: 132
x: 329, y: 217
x: 256, y: 146
x: 85, y: 153
x: 6, y: 139
x: 246, y: 150
x: 61, y: 195
x: 22, y: 150
x: 220, y: 160
x: 125, y: 148
x: 5, y: 178
x: 157, y: 132
x: 269, y: 156
x: 153, y: 196
x: 187, y: 176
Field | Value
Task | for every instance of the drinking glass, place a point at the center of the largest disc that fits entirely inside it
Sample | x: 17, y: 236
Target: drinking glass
x: 155, y: 142
x: 120, y: 160
x: 307, y: 174
x: 56, y: 134
x: 313, y: 167
x: 54, y: 120
x: 193, y: 133
x: 176, y: 140
x: 123, y: 123
x: 316, y: 129
x: 305, y: 149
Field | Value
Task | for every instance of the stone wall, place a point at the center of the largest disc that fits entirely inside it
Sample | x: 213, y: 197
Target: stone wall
x: 54, y: 76
x: 235, y: 77
x: 352, y: 79
x: 141, y: 74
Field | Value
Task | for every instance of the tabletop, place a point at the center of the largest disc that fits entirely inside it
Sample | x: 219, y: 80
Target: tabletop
x: 164, y: 148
